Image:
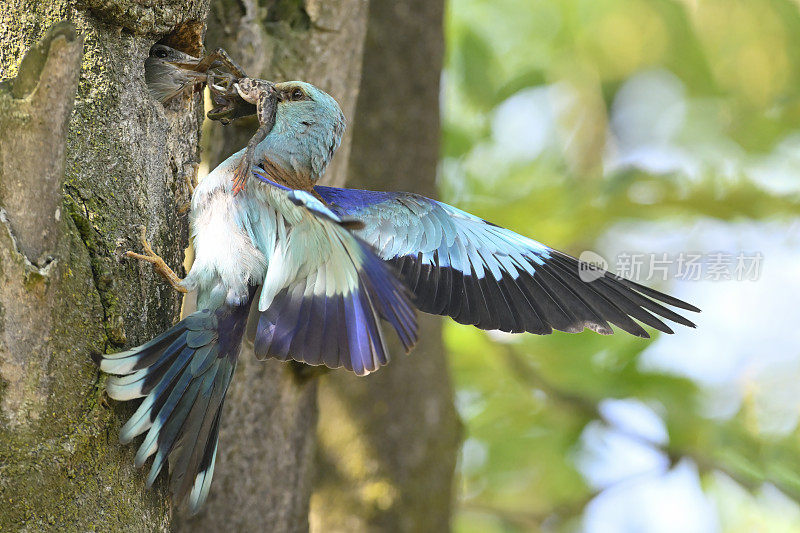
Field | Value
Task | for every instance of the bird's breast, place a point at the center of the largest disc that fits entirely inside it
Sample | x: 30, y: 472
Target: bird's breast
x: 226, y: 256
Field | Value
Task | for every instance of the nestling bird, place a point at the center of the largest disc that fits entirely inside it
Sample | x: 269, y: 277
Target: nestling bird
x: 165, y: 78
x: 169, y: 72
x: 307, y: 272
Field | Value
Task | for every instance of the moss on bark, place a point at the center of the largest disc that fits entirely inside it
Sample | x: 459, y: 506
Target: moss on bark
x: 61, y: 466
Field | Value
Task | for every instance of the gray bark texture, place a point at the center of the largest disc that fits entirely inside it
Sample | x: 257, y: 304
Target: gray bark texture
x: 387, y: 443
x: 263, y: 475
x: 86, y: 157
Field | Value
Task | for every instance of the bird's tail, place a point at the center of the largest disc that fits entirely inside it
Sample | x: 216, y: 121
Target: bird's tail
x: 183, y: 375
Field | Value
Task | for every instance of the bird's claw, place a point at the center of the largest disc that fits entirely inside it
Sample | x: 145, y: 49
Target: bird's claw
x: 158, y: 263
x: 104, y: 400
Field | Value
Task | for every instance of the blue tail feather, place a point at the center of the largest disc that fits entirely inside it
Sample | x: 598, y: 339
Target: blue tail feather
x: 202, y: 482
x: 183, y: 375
x: 167, y: 418
x: 187, y: 452
x: 162, y: 435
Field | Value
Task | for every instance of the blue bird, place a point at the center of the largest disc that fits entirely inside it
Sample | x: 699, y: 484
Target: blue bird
x: 308, y: 272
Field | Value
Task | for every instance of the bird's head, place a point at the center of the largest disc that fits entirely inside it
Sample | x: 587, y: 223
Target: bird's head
x: 168, y: 72
x: 308, y: 124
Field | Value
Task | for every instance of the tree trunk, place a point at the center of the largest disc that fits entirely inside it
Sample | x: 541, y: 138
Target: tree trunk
x: 74, y: 189
x: 263, y: 475
x: 388, y: 442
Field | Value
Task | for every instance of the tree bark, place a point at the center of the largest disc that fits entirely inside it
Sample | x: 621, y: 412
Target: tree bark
x: 388, y: 442
x: 74, y: 189
x: 263, y: 475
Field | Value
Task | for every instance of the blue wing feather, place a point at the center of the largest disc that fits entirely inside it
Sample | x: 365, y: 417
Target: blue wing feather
x: 478, y: 273
x: 327, y: 289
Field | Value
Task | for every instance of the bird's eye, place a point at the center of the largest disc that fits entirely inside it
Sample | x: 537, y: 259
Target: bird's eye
x: 297, y: 94
x: 160, y: 52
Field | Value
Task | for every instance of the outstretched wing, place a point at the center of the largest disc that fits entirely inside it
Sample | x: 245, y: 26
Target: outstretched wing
x: 459, y: 265
x: 325, y: 290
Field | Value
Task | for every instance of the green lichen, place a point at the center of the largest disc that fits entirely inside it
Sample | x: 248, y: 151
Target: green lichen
x: 62, y: 468
x: 91, y: 227
x: 66, y: 460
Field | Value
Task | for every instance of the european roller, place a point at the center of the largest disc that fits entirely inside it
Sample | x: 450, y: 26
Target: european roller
x: 310, y: 273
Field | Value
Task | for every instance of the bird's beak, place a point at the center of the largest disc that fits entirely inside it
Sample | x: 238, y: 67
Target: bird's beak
x: 190, y: 67
x: 189, y: 64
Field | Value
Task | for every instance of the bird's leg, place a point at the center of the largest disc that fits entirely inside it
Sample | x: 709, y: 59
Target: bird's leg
x: 267, y: 106
x: 158, y: 264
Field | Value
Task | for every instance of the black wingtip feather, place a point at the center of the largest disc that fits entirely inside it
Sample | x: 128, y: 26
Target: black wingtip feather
x: 540, y: 292
x: 647, y: 291
x: 633, y: 297
x: 609, y: 301
x: 554, y: 297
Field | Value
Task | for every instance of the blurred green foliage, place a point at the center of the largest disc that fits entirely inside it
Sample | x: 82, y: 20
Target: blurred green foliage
x: 526, y: 401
